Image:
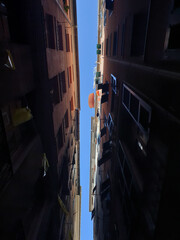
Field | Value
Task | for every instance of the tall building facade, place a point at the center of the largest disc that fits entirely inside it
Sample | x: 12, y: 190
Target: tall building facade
x: 40, y: 193
x: 138, y: 79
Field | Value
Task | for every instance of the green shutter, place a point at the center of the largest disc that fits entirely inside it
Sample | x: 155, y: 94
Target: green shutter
x: 98, y: 74
x: 97, y: 80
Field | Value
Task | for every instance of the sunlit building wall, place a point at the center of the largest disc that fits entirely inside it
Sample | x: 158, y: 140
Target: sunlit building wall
x: 40, y: 104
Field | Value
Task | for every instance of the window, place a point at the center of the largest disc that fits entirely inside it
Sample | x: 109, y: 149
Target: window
x: 50, y: 39
x: 5, y: 161
x: 144, y: 118
x: 54, y: 90
x: 104, y: 98
x: 105, y: 16
x: 60, y: 39
x: 72, y: 142
x: 73, y: 73
x: 104, y: 87
x: 56, y: 33
x: 123, y: 39
x: 125, y: 174
x: 70, y: 75
x: 103, y: 131
x: 60, y: 87
x: 107, y: 47
x: 109, y: 4
x: 67, y: 43
x: 110, y: 12
x: 115, y: 44
x: 63, y: 81
x: 63, y: 126
x: 4, y: 29
x: 110, y: 42
x: 137, y: 108
x: 134, y: 106
x: 138, y: 34
x: 110, y: 124
x: 176, y: 4
x: 114, y: 83
x: 121, y: 156
x: 105, y: 188
x: 105, y: 157
x: 174, y: 37
x: 66, y: 118
x: 72, y: 104
x: 126, y: 97
x: 71, y: 44
x: 60, y: 138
